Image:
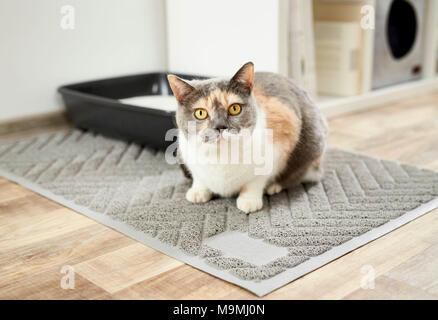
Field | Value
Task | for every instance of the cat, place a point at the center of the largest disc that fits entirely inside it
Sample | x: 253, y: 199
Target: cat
x: 253, y: 102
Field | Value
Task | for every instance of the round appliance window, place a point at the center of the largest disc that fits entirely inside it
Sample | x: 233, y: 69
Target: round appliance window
x: 401, y: 28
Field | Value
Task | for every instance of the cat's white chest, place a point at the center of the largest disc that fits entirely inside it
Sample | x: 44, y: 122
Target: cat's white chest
x: 224, y: 179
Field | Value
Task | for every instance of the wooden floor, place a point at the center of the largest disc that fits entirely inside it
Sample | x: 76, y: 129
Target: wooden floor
x: 39, y: 237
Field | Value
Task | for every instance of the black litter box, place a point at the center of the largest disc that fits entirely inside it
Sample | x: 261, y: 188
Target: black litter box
x: 95, y: 106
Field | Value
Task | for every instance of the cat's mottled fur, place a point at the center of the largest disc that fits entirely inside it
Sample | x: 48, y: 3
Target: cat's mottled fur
x: 268, y: 101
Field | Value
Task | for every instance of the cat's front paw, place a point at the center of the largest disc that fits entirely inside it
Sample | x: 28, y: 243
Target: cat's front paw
x: 249, y: 204
x: 198, y: 195
x: 274, y: 189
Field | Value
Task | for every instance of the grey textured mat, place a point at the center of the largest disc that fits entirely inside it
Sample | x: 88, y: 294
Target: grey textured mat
x: 135, y: 191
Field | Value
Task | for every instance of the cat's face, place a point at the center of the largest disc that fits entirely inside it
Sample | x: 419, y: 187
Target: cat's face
x: 216, y: 107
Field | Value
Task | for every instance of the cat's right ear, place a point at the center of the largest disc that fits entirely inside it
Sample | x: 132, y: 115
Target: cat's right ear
x: 180, y: 88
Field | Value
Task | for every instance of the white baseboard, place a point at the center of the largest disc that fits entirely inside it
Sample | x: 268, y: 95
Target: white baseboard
x: 343, y: 105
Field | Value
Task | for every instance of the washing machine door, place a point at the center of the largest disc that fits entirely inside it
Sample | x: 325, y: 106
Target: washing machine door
x: 401, y: 28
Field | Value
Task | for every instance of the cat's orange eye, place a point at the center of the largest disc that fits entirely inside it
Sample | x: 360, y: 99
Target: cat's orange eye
x: 234, y: 109
x: 201, y: 114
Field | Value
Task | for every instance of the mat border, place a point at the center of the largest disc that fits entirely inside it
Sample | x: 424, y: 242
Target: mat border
x: 260, y: 288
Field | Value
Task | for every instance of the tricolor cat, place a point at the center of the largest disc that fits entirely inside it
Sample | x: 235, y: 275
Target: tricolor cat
x: 213, y: 114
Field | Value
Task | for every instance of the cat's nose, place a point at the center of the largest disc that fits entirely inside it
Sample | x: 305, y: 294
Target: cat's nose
x: 220, y: 127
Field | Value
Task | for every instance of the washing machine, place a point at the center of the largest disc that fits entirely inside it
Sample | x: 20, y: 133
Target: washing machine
x: 399, y: 41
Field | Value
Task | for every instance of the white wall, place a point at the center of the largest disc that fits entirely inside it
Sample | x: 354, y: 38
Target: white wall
x: 111, y: 37
x: 217, y: 37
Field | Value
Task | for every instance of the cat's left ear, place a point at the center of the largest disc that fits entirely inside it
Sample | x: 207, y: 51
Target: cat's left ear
x: 244, y: 78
